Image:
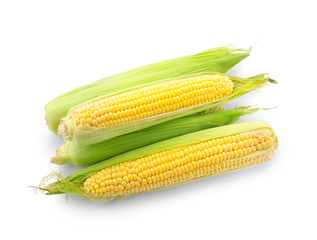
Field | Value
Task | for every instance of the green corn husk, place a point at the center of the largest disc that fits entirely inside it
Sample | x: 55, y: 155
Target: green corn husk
x: 73, y: 184
x: 80, y: 155
x: 215, y: 59
x: 91, y: 135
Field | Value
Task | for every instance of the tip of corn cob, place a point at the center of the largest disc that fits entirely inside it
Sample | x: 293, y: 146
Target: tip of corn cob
x: 58, y: 159
x: 64, y: 130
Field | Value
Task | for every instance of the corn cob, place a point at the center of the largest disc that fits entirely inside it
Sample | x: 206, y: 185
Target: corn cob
x: 216, y: 59
x: 80, y: 155
x: 174, y: 161
x: 108, y: 117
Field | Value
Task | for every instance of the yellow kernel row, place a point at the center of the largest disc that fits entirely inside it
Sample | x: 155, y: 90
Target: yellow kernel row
x: 177, y: 165
x: 124, y: 189
x: 157, y: 99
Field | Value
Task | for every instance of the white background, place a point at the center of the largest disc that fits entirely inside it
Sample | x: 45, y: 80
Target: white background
x: 50, y: 47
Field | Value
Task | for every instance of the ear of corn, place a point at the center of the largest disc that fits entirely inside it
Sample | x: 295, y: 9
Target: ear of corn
x: 80, y: 155
x: 216, y: 59
x: 108, y: 117
x: 174, y: 161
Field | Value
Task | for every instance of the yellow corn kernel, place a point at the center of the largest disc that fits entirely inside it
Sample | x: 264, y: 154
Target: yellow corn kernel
x: 179, y: 165
x: 149, y: 101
